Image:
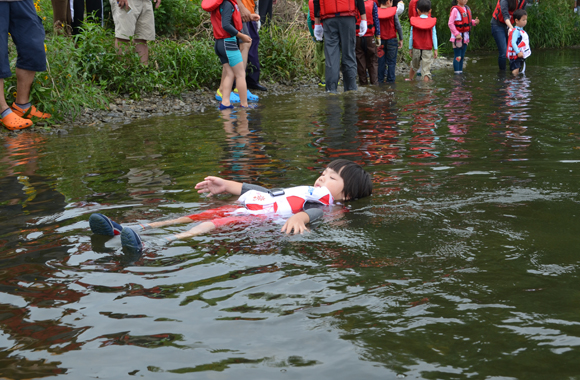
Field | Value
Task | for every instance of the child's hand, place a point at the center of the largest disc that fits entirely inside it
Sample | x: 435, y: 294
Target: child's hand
x: 435, y: 54
x: 256, y: 17
x: 297, y: 222
x: 245, y: 38
x: 411, y: 52
x: 476, y: 21
x: 400, y: 44
x: 521, y: 54
x: 212, y: 185
x: 458, y: 37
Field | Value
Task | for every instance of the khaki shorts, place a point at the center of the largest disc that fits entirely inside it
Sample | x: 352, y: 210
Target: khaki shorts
x: 139, y: 22
x: 423, y: 59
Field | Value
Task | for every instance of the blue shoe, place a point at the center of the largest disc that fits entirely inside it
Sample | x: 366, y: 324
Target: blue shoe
x: 131, y: 240
x: 234, y: 98
x: 250, y: 106
x: 222, y: 107
x: 101, y: 225
x: 251, y: 97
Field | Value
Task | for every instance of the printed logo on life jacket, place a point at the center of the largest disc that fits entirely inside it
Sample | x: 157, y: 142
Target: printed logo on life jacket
x: 310, y: 190
x: 258, y: 197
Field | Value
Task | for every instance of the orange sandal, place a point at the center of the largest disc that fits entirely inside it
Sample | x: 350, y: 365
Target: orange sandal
x: 29, y: 113
x: 14, y: 122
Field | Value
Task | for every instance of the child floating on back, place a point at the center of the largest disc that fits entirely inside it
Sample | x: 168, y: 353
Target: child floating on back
x: 342, y: 180
x: 390, y: 28
x: 518, y: 48
x: 422, y: 41
x: 460, y: 22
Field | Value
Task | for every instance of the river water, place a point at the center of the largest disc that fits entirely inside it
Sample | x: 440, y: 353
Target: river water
x: 462, y: 265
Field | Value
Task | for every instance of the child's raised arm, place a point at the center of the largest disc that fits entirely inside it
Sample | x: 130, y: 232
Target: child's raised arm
x: 217, y: 185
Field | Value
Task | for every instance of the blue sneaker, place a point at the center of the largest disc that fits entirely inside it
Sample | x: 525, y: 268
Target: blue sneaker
x: 131, y: 240
x: 234, y: 98
x: 222, y: 107
x: 251, y: 97
x: 101, y: 225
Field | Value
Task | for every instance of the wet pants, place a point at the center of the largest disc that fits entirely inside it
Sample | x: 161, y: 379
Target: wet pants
x: 340, y: 35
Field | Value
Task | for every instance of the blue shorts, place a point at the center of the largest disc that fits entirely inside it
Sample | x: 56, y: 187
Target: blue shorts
x: 19, y: 18
x: 518, y: 63
x: 228, y: 51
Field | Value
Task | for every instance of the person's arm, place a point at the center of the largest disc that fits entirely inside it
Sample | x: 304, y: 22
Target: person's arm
x: 376, y: 21
x: 360, y: 4
x: 296, y: 223
x: 504, y: 7
x: 244, y: 12
x: 316, y: 11
x: 411, y: 40
x: 514, y: 41
x: 226, y: 9
x: 451, y: 24
x: 217, y: 185
x: 399, y: 28
x: 435, y: 42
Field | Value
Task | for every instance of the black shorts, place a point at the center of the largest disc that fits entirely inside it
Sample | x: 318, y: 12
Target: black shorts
x: 518, y: 63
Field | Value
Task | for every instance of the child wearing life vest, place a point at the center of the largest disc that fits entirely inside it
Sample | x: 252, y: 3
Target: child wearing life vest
x: 318, y: 47
x: 460, y: 22
x: 422, y: 41
x: 342, y: 180
x: 366, y: 46
x: 390, y: 28
x: 518, y: 48
x: 227, y: 25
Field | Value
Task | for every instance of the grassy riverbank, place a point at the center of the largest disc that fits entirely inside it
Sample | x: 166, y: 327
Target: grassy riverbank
x: 85, y: 71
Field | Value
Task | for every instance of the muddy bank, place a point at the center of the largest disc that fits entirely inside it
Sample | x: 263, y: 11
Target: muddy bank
x: 123, y: 110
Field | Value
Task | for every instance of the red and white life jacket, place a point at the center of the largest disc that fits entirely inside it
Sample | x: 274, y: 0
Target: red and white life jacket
x: 369, y: 5
x: 423, y: 32
x: 523, y: 44
x: 499, y: 16
x: 216, y: 20
x: 387, y: 22
x: 291, y: 202
x: 463, y: 25
x: 335, y: 8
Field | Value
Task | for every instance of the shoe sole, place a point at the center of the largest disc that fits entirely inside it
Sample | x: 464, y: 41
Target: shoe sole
x: 101, y: 225
x: 131, y: 240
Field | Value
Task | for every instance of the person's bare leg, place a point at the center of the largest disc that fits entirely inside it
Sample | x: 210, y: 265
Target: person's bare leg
x: 201, y: 228
x: 24, y: 80
x: 3, y: 104
x: 426, y: 78
x: 228, y: 83
x: 221, y: 89
x: 143, y: 50
x: 121, y: 45
x: 240, y: 73
x: 411, y: 73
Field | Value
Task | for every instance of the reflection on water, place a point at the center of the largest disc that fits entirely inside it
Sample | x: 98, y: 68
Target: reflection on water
x: 462, y: 264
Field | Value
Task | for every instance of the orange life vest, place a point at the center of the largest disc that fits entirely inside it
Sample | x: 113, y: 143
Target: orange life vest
x: 463, y: 25
x: 334, y: 8
x: 387, y: 20
x: 216, y: 21
x: 499, y: 16
x: 369, y: 5
x: 423, y: 32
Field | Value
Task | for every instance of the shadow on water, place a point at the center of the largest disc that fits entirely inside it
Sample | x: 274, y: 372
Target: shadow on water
x: 461, y: 265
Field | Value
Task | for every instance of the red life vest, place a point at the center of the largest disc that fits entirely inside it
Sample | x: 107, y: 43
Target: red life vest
x: 499, y: 16
x: 387, y: 20
x: 216, y: 21
x: 523, y: 45
x: 413, y: 9
x: 210, y: 5
x: 423, y: 32
x: 463, y: 25
x: 369, y: 5
x: 311, y: 9
x: 334, y: 8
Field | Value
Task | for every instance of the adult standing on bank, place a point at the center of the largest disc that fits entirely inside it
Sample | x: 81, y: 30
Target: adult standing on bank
x: 501, y: 24
x: 339, y: 35
x: 19, y: 18
x: 253, y: 59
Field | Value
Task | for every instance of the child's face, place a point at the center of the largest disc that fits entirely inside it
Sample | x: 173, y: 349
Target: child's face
x: 522, y: 21
x: 462, y: 2
x: 333, y: 182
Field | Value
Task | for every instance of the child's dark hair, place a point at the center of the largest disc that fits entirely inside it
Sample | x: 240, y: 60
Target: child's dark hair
x: 519, y: 13
x: 423, y: 6
x: 384, y: 2
x: 357, y: 182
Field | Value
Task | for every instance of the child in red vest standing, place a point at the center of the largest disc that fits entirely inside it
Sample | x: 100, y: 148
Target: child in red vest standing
x: 518, y: 48
x: 422, y: 41
x: 366, y: 48
x: 460, y: 22
x: 390, y: 27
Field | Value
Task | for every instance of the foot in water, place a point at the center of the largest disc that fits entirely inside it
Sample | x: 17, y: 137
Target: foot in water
x: 101, y: 225
x: 131, y: 240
